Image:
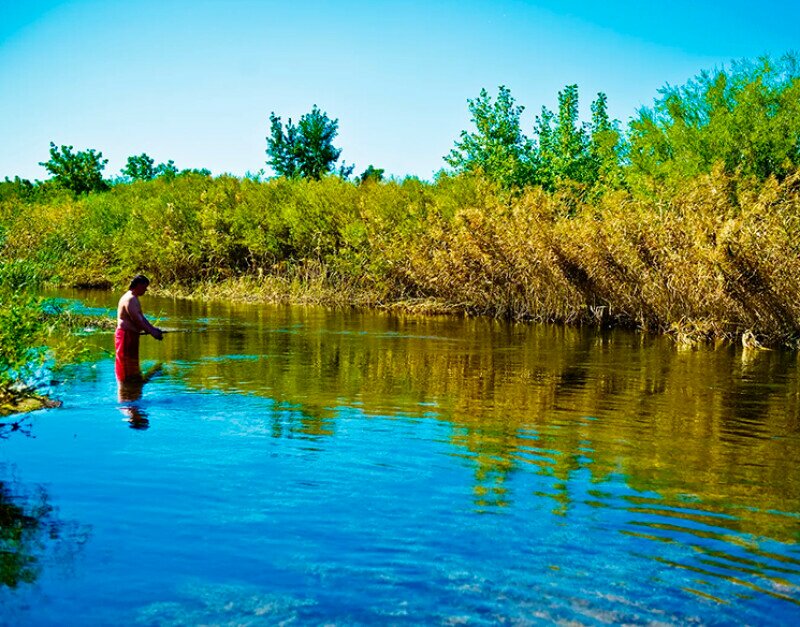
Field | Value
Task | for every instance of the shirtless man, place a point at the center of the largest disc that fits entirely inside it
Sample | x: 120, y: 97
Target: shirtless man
x: 130, y: 323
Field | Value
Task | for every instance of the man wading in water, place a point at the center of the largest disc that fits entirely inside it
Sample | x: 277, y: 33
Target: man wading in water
x: 130, y: 323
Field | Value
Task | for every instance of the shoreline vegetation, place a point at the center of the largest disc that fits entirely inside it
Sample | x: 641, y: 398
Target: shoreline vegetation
x: 37, y: 336
x: 684, y: 223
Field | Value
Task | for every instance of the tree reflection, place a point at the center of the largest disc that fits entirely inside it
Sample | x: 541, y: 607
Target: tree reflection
x: 29, y: 531
x: 598, y: 402
x: 17, y: 425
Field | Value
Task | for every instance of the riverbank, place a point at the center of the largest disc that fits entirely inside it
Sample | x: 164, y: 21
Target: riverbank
x: 718, y: 262
x: 718, y: 259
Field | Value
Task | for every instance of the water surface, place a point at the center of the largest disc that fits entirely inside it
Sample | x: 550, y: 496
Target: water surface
x: 317, y: 467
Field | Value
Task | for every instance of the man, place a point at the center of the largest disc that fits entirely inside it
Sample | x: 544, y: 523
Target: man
x: 130, y: 324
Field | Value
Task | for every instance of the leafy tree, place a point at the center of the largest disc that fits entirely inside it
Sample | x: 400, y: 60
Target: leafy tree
x: 546, y: 149
x: 18, y: 188
x: 564, y: 146
x: 571, y: 139
x: 200, y: 171
x: 497, y: 147
x: 605, y: 145
x: 568, y: 150
x: 167, y: 170
x: 81, y: 172
x: 281, y: 147
x: 345, y: 171
x: 746, y: 117
x: 371, y: 174
x: 305, y: 150
x: 140, y: 168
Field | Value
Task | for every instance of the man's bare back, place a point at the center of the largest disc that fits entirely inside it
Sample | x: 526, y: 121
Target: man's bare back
x: 129, y: 312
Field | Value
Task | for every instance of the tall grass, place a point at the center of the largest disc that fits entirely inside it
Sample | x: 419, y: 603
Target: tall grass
x: 719, y: 258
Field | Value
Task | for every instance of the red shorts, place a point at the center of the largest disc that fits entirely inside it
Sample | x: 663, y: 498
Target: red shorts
x: 126, y: 347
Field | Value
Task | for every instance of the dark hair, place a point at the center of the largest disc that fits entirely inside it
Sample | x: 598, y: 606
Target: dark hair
x: 139, y: 279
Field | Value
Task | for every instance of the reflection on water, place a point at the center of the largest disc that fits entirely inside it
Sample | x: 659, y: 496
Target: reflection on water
x: 360, y: 467
x: 31, y: 533
x: 130, y: 385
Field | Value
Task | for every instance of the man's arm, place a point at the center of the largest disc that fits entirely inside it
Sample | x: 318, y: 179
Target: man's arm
x: 135, y: 311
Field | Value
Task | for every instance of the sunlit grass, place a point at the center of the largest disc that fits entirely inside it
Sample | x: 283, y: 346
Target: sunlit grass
x: 716, y: 260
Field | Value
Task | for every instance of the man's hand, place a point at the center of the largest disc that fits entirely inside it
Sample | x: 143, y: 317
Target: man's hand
x: 158, y: 334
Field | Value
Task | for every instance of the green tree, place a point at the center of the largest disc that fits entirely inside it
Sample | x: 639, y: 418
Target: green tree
x: 305, y: 150
x: 81, y: 172
x: 746, y: 117
x: 167, y: 170
x: 497, y: 147
x: 571, y: 139
x: 140, y: 168
x: 545, y: 149
x: 371, y: 174
x: 568, y: 150
x: 18, y: 188
x: 564, y: 148
x: 606, y: 145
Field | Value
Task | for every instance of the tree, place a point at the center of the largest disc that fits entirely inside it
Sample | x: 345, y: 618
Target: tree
x: 167, y: 170
x: 305, y: 150
x: 18, y: 188
x: 497, y: 147
x: 140, y: 168
x: 564, y: 146
x: 281, y: 148
x: 746, y: 117
x: 80, y: 172
x: 605, y: 145
x: 568, y: 150
x: 571, y: 138
x: 371, y: 174
x: 345, y: 171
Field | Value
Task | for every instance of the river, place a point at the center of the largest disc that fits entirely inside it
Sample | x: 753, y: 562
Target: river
x: 301, y: 465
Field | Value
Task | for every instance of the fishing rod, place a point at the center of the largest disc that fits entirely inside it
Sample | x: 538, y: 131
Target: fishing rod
x: 170, y: 330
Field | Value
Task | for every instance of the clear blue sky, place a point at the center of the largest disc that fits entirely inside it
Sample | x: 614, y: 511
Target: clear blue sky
x: 195, y: 81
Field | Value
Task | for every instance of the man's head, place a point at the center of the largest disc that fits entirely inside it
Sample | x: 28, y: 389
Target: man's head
x: 139, y: 284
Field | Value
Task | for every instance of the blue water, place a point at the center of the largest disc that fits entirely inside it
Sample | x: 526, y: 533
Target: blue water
x: 308, y: 467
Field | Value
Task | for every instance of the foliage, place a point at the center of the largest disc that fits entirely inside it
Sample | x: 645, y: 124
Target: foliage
x: 167, y: 170
x: 81, y: 172
x: 746, y: 117
x: 140, y: 168
x: 572, y: 152
x: 305, y: 150
x: 497, y: 147
x: 34, y: 335
x: 22, y: 333
x: 19, y: 188
x: 562, y: 153
x: 721, y: 261
x: 371, y: 174
x: 564, y: 148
